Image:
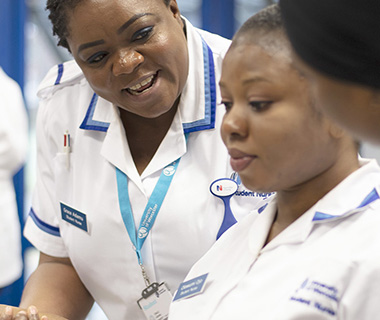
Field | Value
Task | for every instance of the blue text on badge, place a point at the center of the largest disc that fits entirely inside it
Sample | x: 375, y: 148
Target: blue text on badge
x: 74, y: 217
x: 191, y: 287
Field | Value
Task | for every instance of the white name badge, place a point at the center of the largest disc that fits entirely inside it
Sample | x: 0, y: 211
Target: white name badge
x: 224, y: 187
x: 156, y: 304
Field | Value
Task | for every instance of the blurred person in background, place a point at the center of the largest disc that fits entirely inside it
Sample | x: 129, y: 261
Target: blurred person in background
x: 13, y: 151
x: 337, y: 47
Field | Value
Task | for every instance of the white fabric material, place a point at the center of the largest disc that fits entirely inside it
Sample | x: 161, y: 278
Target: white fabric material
x: 325, y: 269
x: 189, y: 218
x: 13, y: 150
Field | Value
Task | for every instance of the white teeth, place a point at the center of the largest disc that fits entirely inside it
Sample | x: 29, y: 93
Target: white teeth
x: 142, y: 83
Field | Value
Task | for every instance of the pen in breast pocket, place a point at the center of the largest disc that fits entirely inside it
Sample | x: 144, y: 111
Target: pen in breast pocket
x: 66, y: 147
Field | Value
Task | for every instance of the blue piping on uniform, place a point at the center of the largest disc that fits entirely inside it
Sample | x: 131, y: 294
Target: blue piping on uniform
x: 210, y: 101
x: 60, y: 74
x: 371, y: 197
x: 88, y: 122
x: 43, y: 225
x: 210, y: 94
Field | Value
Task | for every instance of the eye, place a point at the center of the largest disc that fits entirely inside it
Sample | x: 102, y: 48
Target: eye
x: 259, y: 106
x: 142, y: 33
x: 228, y: 105
x: 97, y: 57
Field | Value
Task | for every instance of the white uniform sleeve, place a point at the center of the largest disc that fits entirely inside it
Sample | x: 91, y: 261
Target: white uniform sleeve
x: 42, y: 225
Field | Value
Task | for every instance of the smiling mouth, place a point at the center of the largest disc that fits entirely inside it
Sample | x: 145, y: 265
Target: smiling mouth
x: 143, y: 86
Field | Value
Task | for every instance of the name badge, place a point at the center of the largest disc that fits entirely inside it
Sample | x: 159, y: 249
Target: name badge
x: 224, y: 187
x: 156, y: 302
x: 74, y: 217
x: 191, y: 288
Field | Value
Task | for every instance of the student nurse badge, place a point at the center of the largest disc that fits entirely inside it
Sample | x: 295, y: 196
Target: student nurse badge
x: 224, y: 189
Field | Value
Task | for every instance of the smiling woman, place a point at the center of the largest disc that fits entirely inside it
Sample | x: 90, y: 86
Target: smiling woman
x: 128, y: 144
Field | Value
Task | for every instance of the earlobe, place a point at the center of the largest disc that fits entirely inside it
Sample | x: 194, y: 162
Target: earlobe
x: 335, y: 131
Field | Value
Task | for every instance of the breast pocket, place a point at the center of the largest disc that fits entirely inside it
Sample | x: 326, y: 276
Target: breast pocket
x: 63, y: 175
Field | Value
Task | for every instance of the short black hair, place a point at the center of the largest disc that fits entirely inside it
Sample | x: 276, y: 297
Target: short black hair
x: 268, y: 19
x: 58, y: 10
x: 266, y: 29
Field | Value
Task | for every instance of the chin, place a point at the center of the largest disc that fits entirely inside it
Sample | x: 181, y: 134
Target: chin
x: 256, y: 187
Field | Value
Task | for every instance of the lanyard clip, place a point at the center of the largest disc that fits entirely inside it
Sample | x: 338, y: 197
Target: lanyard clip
x: 150, y: 290
x: 145, y: 275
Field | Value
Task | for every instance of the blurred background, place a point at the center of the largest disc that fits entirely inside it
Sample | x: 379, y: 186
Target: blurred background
x: 28, y: 51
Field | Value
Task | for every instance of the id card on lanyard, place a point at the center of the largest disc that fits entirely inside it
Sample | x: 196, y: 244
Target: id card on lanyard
x: 156, y: 297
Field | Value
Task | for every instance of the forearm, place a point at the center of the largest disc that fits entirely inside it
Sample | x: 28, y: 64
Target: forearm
x: 56, y: 288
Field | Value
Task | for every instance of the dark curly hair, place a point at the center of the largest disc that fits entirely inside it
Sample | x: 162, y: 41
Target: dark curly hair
x: 58, y: 10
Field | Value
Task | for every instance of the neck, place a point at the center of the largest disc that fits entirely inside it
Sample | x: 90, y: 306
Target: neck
x: 294, y: 202
x: 145, y: 135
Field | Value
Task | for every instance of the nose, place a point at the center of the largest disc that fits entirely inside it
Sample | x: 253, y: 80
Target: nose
x: 126, y: 62
x: 235, y: 124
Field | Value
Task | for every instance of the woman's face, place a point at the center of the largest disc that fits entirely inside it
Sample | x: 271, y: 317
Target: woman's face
x: 275, y: 138
x: 132, y: 52
x: 351, y: 106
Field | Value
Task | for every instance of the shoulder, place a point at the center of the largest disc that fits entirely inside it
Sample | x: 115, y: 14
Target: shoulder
x: 61, y: 76
x: 8, y: 86
x: 216, y: 42
x: 64, y: 97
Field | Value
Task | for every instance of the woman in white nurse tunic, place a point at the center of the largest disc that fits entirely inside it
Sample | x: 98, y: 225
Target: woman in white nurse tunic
x: 314, y: 251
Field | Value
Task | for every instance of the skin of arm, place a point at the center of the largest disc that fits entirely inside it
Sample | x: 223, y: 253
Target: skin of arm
x: 55, y: 288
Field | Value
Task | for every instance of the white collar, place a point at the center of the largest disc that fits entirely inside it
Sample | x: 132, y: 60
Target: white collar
x: 198, y: 100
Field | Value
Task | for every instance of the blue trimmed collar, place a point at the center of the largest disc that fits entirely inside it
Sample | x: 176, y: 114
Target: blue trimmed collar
x: 353, y: 195
x: 371, y: 197
x: 208, y: 121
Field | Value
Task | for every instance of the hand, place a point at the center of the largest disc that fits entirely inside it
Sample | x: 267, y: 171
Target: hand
x: 14, y: 313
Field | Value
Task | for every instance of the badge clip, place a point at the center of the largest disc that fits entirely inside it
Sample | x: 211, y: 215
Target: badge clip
x: 224, y: 189
x: 147, y: 292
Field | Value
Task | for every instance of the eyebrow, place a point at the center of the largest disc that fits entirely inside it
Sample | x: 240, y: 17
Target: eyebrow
x: 89, y: 45
x: 255, y: 79
x: 119, y: 31
x: 132, y: 20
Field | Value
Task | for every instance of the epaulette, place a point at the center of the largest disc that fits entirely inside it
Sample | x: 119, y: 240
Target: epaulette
x: 59, y: 76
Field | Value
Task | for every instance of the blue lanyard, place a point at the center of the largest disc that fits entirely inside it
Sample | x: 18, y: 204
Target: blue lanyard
x: 151, y: 210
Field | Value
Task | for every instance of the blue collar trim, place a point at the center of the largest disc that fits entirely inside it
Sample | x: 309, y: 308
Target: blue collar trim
x: 60, y: 74
x: 210, y: 94
x: 89, y: 123
x: 371, y: 197
x: 43, y: 225
x: 210, y: 101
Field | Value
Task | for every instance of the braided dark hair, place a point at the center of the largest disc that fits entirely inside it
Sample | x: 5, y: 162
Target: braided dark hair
x: 58, y: 10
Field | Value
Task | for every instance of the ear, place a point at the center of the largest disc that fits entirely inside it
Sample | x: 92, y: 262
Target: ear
x: 334, y: 130
x: 173, y: 6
